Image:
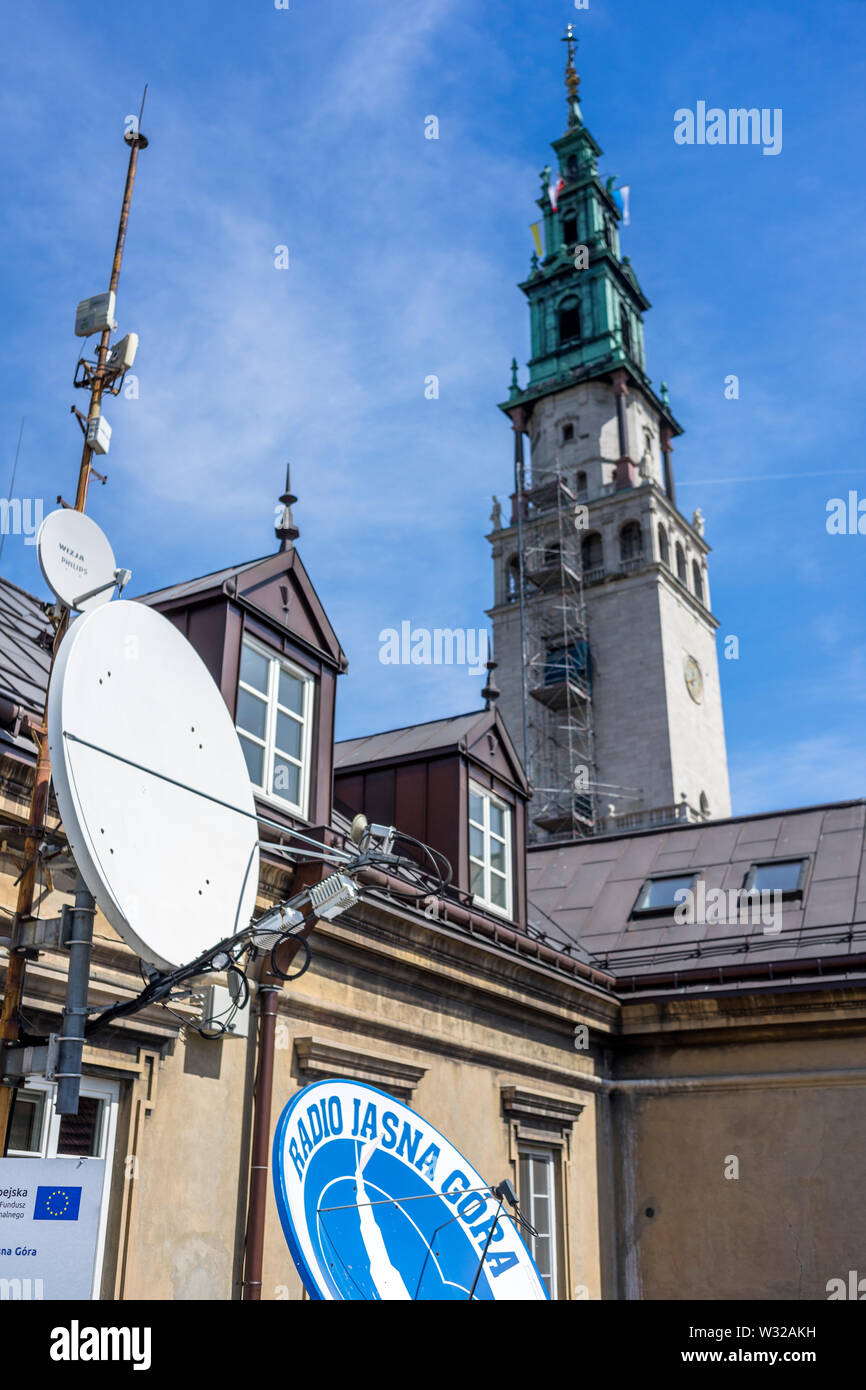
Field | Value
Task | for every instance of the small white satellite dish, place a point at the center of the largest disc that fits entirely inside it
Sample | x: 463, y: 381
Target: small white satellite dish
x: 76, y: 559
x: 150, y: 780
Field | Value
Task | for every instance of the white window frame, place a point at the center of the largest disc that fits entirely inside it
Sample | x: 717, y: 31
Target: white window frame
x: 485, y: 899
x: 109, y: 1093
x: 550, y: 1158
x: 276, y: 663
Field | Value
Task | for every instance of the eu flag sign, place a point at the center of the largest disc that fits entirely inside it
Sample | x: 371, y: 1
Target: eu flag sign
x: 57, y: 1204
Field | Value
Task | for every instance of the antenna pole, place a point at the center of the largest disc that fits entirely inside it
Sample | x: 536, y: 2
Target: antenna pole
x: 136, y: 142
x: 14, y: 991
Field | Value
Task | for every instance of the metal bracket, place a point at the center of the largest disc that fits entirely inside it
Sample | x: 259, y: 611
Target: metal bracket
x: 37, y: 933
x: 20, y: 1064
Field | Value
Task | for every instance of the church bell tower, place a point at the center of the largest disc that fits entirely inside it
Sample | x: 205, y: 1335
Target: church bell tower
x: 603, y: 632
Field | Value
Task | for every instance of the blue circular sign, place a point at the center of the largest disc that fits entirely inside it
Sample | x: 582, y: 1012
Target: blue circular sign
x: 376, y: 1204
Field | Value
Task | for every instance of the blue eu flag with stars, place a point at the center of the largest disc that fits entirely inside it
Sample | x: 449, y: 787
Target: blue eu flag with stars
x: 57, y: 1204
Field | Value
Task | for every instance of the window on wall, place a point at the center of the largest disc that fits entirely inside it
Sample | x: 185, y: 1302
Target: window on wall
x: 569, y: 321
x: 490, y: 873
x: 630, y: 542
x: 697, y: 581
x: 567, y: 434
x: 569, y: 229
x: 681, y: 564
x: 274, y: 715
x: 538, y: 1204
x: 581, y: 484
x: 625, y: 328
x: 592, y: 552
x: 664, y: 547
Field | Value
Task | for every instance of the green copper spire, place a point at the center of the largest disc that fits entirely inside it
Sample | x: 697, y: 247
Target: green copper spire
x: 586, y: 305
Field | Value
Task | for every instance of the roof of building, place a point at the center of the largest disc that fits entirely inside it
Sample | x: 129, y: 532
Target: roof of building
x: 201, y: 585
x: 464, y: 732
x: 589, y: 889
x: 267, y: 586
x: 401, y: 743
x: 25, y: 654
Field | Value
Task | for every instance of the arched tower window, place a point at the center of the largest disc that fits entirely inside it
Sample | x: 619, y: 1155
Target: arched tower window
x: 681, y: 564
x: 664, y: 547
x: 592, y: 552
x: 581, y: 484
x: 569, y: 321
x: 512, y: 579
x: 625, y: 327
x: 552, y: 555
x: 630, y: 542
x: 697, y: 581
x: 569, y: 229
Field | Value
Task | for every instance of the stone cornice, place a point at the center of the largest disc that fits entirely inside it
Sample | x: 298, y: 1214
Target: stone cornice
x: 519, y: 1104
x: 319, y: 1059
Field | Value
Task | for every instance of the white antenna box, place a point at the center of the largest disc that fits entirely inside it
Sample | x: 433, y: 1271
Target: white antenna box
x: 99, y: 435
x: 217, y: 1003
x: 95, y: 314
x: 122, y: 355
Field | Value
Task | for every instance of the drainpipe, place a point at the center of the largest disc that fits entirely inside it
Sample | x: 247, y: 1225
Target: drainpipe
x: 255, y: 1237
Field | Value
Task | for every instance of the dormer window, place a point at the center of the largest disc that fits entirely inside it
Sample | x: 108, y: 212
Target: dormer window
x: 490, y: 873
x: 273, y: 719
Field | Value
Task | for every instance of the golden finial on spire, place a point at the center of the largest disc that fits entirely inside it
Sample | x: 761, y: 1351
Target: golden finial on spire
x: 572, y: 81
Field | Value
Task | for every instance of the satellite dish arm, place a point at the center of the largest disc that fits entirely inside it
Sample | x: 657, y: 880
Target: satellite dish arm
x: 216, y: 958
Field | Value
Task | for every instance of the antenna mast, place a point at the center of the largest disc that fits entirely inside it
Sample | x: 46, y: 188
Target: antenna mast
x: 97, y: 376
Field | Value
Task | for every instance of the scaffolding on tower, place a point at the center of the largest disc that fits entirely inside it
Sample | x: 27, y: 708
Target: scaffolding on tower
x: 557, y: 671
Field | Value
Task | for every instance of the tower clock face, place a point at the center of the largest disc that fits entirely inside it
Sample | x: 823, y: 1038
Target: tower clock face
x: 694, y: 679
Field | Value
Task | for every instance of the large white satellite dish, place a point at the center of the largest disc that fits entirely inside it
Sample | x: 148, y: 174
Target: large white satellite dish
x: 76, y: 559
x: 150, y: 777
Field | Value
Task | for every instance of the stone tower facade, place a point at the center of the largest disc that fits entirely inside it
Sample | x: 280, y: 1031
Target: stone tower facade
x: 603, y: 632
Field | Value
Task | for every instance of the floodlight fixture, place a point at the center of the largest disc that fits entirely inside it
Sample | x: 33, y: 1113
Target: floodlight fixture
x: 364, y: 834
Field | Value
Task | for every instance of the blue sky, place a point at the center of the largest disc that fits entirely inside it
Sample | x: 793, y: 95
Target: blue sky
x: 305, y: 127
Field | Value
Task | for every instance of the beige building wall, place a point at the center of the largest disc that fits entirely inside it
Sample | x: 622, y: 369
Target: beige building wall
x: 785, y: 1114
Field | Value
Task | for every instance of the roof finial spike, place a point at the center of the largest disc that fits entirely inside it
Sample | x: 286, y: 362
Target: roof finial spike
x: 490, y: 693
x: 285, y: 530
x: 572, y: 81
